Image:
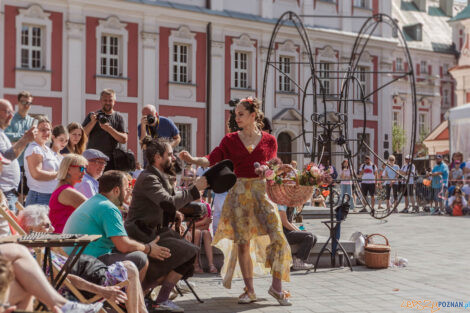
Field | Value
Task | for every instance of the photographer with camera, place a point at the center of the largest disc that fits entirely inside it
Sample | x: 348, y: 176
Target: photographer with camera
x: 156, y: 126
x: 105, y: 128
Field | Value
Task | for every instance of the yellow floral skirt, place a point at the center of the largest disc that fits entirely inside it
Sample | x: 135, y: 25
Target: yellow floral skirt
x: 248, y: 216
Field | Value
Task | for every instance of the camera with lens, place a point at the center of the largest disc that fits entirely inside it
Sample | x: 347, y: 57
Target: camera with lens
x: 102, y: 118
x: 150, y: 119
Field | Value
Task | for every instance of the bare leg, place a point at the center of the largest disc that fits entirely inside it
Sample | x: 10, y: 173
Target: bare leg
x: 135, y: 296
x: 143, y: 271
x: 19, y: 297
x: 372, y: 201
x: 197, y: 242
x: 246, y: 266
x: 208, y: 248
x: 30, y: 277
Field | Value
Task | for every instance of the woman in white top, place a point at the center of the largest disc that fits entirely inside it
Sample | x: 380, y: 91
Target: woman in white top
x: 41, y: 165
x: 346, y: 183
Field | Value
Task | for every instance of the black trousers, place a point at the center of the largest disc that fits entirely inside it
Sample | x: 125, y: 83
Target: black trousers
x: 305, y: 239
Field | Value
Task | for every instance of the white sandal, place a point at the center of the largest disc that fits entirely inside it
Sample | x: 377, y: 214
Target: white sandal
x: 282, y: 297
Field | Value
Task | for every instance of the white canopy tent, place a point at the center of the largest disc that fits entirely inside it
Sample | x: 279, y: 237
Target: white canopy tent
x: 459, y: 129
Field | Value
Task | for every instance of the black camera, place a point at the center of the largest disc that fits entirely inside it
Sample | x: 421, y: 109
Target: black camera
x: 102, y: 118
x: 150, y: 119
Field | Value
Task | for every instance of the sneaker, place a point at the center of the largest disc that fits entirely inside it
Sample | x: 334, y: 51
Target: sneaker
x: 247, y: 297
x: 76, y: 307
x: 183, y: 287
x: 301, y: 265
x: 364, y: 210
x: 282, y: 297
x: 169, y: 306
x: 405, y: 210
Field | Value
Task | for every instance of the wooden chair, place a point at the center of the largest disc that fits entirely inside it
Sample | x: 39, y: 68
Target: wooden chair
x: 13, y: 221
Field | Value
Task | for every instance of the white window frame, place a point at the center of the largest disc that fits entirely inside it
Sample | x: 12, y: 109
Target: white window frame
x: 241, y: 70
x: 108, y: 56
x: 193, y: 122
x: 363, y: 77
x: 363, y: 4
x: 324, y: 76
x: 178, y: 65
x: 183, y: 36
x: 396, y: 118
x: 244, y: 45
x: 423, y: 66
x: 36, y: 17
x: 422, y: 123
x: 399, y: 64
x: 446, y: 97
x: 445, y: 69
x: 113, y: 27
x: 285, y: 83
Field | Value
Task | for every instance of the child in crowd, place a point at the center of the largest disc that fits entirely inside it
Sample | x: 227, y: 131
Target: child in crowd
x: 456, y: 204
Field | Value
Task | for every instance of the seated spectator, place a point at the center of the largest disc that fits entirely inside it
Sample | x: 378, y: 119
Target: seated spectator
x: 318, y: 199
x: 30, y: 281
x: 65, y: 199
x: 456, y: 204
x: 294, y: 236
x: 96, y: 163
x: 78, y: 139
x: 204, y: 232
x: 41, y: 165
x: 60, y: 138
x: 154, y: 206
x: 90, y: 274
x: 100, y: 215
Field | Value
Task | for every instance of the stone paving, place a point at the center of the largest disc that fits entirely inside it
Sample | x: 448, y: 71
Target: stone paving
x: 437, y: 249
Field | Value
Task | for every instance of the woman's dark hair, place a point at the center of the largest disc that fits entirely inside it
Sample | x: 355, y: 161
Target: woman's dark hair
x: 253, y: 105
x: 109, y: 180
x: 154, y: 146
x: 342, y: 164
x: 59, y: 130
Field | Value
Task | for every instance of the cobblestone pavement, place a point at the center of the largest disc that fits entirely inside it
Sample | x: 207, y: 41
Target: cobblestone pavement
x: 437, y: 249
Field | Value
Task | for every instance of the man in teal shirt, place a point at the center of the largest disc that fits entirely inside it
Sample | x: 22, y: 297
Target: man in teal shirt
x: 439, y: 174
x: 100, y: 215
x: 20, y: 123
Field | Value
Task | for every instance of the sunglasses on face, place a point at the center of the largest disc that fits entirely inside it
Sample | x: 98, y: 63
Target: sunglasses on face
x: 80, y: 167
x: 26, y: 102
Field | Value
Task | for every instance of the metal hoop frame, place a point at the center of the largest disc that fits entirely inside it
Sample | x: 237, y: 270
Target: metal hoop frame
x: 349, y: 78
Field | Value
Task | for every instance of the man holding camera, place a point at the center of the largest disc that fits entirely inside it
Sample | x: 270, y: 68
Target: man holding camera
x: 105, y: 128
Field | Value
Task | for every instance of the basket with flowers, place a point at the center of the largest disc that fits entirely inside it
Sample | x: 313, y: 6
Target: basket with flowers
x: 291, y: 187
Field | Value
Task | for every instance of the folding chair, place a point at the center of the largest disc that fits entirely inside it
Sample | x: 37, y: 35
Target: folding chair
x: 13, y: 222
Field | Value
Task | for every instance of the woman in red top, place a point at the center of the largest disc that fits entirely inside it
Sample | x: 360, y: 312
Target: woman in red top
x: 65, y: 199
x: 249, y: 219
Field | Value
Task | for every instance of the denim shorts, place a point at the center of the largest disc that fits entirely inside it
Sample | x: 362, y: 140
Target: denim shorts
x: 35, y: 197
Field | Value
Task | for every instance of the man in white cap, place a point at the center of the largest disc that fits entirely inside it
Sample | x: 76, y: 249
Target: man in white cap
x: 408, y: 191
x: 97, y: 161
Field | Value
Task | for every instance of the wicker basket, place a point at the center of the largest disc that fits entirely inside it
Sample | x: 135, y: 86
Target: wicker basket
x: 377, y: 255
x: 289, y: 194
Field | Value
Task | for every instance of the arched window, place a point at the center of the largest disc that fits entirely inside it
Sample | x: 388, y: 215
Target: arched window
x: 284, y: 143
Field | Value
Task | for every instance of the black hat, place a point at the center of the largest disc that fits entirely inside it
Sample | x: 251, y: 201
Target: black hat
x: 220, y: 177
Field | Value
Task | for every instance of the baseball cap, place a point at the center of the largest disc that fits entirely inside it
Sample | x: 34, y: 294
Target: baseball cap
x: 91, y: 154
x: 4, y: 160
x: 438, y: 156
x: 408, y: 157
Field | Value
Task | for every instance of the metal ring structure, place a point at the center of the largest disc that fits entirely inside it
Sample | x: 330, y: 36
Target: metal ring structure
x: 346, y: 96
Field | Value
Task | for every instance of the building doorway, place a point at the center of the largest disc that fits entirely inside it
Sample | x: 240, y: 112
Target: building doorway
x: 284, y: 147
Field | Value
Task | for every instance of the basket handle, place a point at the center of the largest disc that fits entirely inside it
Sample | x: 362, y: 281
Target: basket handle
x: 370, y: 236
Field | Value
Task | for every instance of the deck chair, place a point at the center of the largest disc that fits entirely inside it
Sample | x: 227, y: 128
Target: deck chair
x: 13, y: 221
